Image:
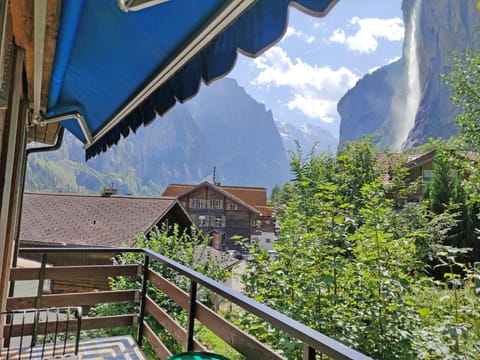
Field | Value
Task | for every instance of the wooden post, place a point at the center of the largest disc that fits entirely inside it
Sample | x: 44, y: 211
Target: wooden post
x: 12, y: 163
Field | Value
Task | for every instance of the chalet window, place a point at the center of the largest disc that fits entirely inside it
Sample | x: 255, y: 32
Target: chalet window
x: 427, y: 176
x: 197, y: 203
x: 202, y: 220
x: 215, y: 204
x: 219, y: 221
x: 268, y: 241
x: 232, y: 206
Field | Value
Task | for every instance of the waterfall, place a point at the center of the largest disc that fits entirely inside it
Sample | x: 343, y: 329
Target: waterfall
x: 405, y: 106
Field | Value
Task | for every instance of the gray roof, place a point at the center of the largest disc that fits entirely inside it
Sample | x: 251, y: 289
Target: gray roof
x: 92, y: 220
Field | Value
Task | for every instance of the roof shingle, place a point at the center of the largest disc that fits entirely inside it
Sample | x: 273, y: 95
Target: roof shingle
x: 89, y: 220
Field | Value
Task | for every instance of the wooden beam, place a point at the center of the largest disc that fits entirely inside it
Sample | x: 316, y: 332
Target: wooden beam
x: 232, y: 335
x: 169, y: 324
x: 75, y: 273
x: 158, y: 346
x: 22, y: 26
x: 72, y: 299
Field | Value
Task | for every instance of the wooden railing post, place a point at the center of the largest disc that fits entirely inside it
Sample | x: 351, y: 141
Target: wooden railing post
x: 41, y: 280
x: 308, y: 352
x: 191, y: 315
x: 143, y: 300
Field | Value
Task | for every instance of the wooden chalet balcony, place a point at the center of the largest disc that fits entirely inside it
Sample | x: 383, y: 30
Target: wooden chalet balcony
x: 84, y: 276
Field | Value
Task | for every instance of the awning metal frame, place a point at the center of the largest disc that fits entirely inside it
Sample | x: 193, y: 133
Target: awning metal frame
x: 136, y: 5
x: 72, y: 116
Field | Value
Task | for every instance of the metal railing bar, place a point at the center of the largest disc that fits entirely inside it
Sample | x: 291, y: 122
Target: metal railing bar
x: 192, y: 314
x: 9, y: 339
x: 143, y: 300
x: 21, y: 337
x: 308, y: 352
x: 66, y: 333
x: 45, y: 333
x: 78, y: 315
x: 56, y: 333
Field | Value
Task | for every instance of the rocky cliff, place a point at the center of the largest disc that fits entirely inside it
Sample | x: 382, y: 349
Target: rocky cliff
x: 419, y: 108
x: 363, y: 109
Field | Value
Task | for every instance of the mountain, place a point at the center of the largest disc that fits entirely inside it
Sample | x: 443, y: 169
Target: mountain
x: 363, y: 108
x: 308, y: 136
x: 419, y: 107
x: 221, y: 126
x: 247, y: 147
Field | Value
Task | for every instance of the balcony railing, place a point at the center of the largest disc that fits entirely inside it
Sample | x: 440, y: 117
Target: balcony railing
x: 84, y: 277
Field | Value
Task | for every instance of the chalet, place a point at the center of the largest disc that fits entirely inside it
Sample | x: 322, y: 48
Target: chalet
x: 227, y: 211
x: 419, y: 166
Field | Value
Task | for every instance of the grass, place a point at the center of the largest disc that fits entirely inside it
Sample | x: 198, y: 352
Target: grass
x: 214, y: 344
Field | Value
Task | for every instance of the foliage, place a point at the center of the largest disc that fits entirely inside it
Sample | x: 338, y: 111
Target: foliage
x: 352, y: 253
x: 444, y: 186
x: 449, y: 311
x: 464, y: 82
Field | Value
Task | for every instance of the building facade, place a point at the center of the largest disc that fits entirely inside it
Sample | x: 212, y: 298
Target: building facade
x: 228, y: 214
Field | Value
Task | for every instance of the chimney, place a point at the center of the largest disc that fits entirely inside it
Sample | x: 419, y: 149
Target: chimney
x: 108, y: 191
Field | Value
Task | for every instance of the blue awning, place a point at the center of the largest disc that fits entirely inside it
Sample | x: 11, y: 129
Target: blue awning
x: 114, y: 70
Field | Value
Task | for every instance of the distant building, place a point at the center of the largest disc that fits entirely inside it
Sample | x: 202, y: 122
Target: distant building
x: 92, y: 220
x: 419, y: 166
x: 224, y: 212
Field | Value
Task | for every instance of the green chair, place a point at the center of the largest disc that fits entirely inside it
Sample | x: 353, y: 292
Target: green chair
x: 191, y: 355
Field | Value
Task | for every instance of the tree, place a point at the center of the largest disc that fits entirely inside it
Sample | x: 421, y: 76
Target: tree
x: 346, y: 256
x: 444, y: 185
x: 464, y: 82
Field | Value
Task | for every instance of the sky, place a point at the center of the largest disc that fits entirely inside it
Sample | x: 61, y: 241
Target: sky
x: 302, y: 78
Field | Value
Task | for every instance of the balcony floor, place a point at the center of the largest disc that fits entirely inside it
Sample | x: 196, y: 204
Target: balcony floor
x: 118, y: 347
x: 111, y: 348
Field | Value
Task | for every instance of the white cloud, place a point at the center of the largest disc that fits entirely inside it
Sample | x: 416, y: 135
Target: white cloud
x: 338, y: 36
x: 368, y: 31
x: 315, y: 90
x: 294, y: 32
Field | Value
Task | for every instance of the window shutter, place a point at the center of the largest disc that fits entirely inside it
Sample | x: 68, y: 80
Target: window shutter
x: 223, y: 221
